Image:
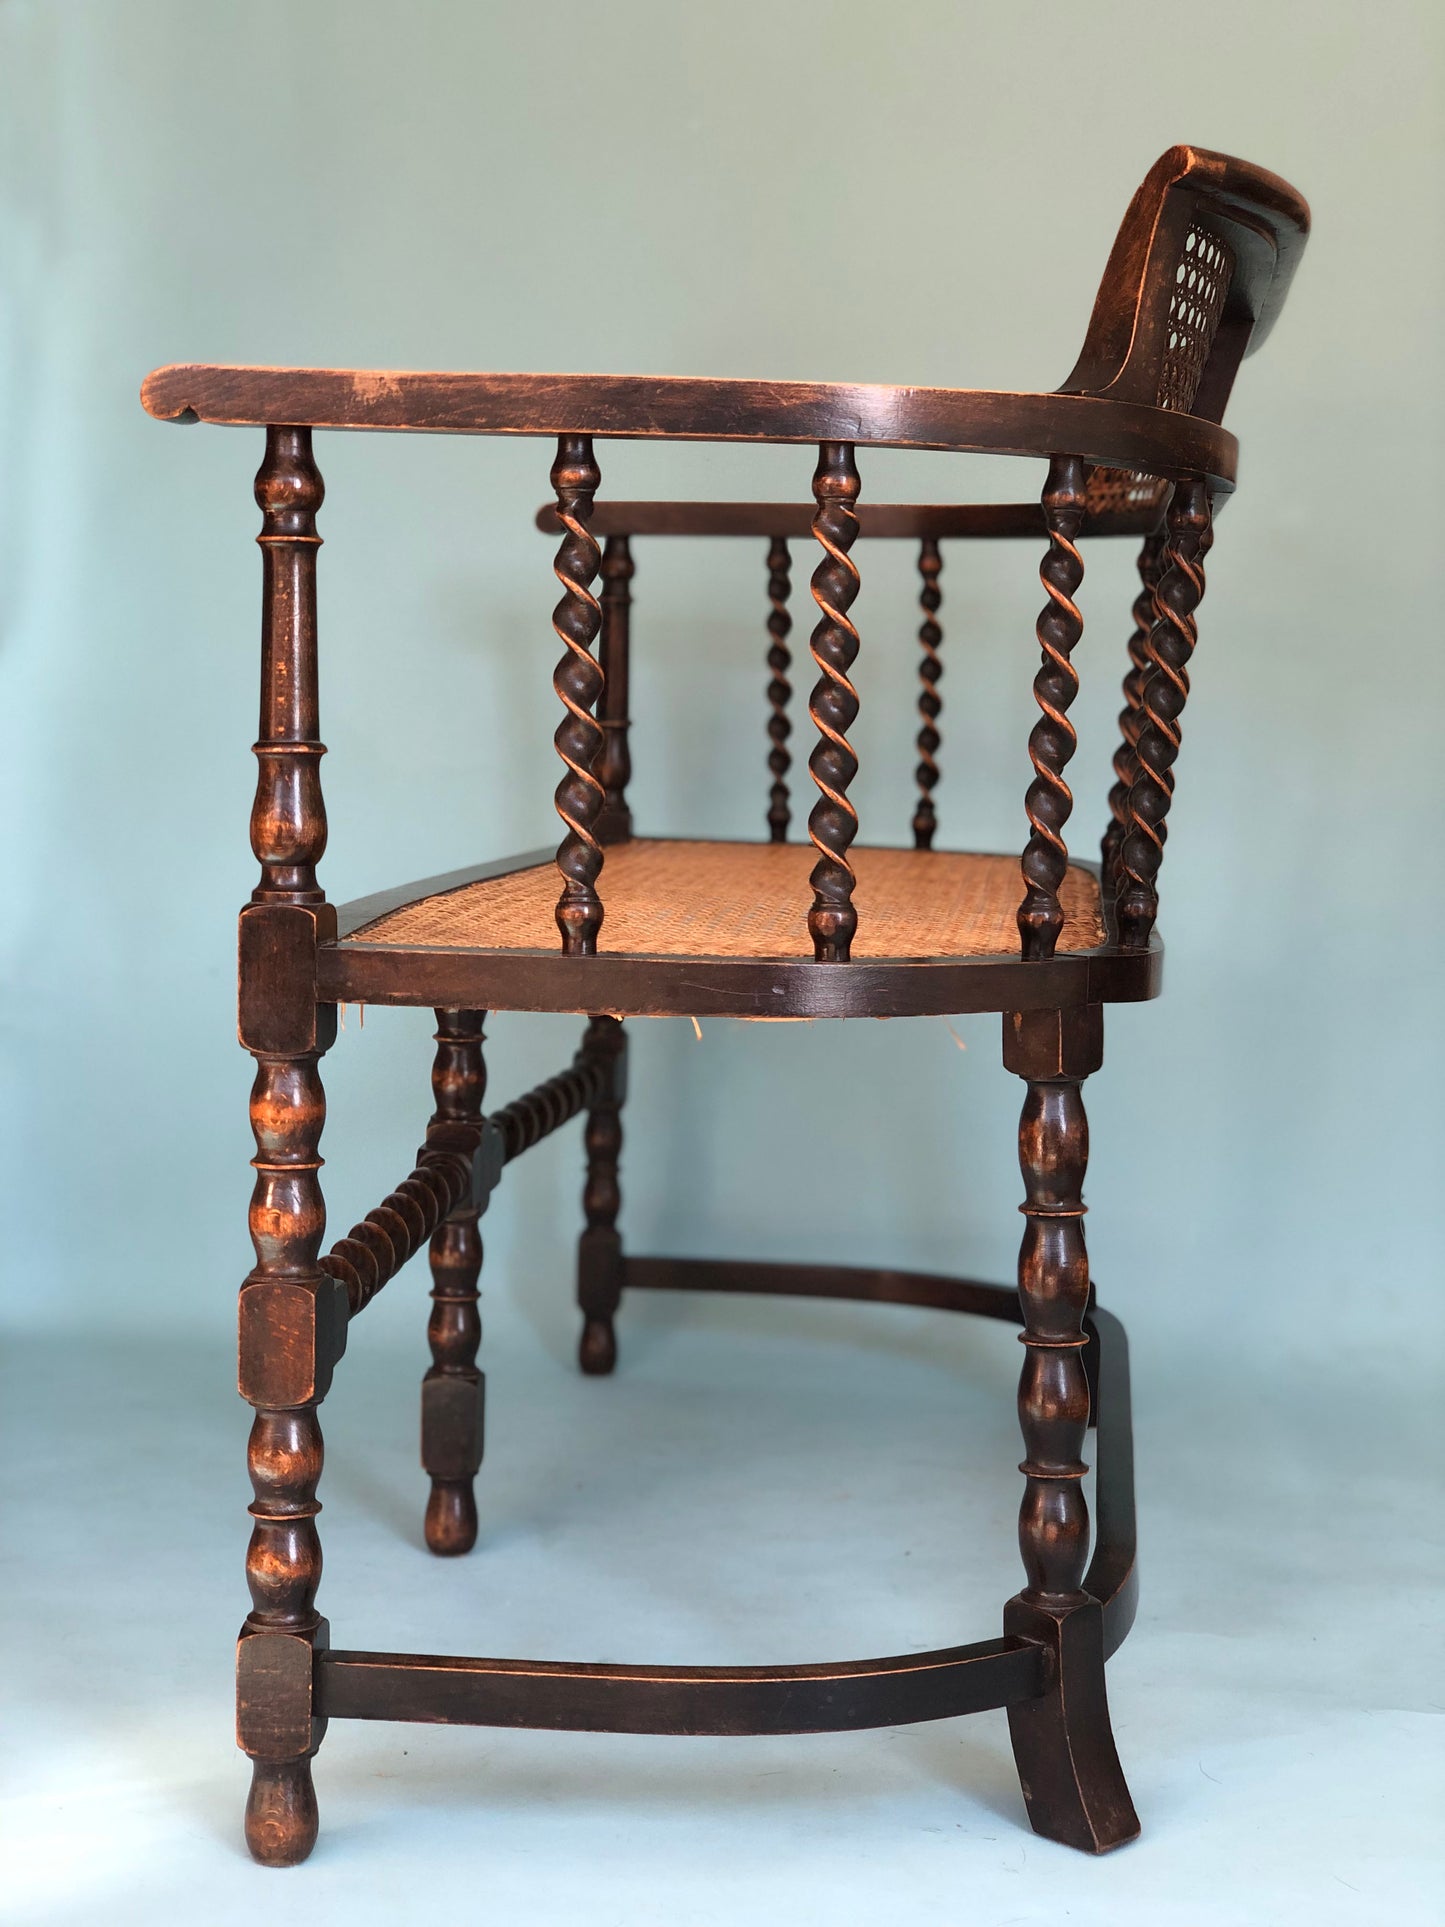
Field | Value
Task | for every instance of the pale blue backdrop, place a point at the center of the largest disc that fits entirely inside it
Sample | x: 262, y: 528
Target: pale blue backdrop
x: 919, y: 194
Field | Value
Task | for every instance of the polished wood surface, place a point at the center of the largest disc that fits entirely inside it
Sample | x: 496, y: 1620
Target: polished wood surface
x: 369, y: 966
x: 537, y: 1113
x: 833, y: 705
x: 599, y: 1249
x: 877, y: 521
x: 930, y: 702
x: 1134, y: 447
x: 1052, y: 739
x: 544, y: 980
x: 1063, y: 1743
x: 577, y: 680
x: 646, y: 407
x: 613, y: 767
x: 780, y: 1699
x: 780, y: 691
x: 1265, y: 222
x: 454, y: 1390
x: 836, y: 1698
x: 289, y: 1308
x: 1175, y: 630
x: 1054, y: 1053
x: 374, y: 1250
x: 1150, y: 564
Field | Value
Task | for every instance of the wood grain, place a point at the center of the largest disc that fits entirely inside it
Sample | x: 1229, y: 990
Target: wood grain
x: 645, y: 407
x: 1195, y: 280
x: 833, y: 706
x: 613, y: 768
x: 780, y: 692
x: 578, y: 682
x: 1177, y: 596
x: 599, y: 1249
x: 1051, y: 743
x: 877, y: 521
x: 930, y: 703
x: 453, y: 1392
x: 288, y: 1306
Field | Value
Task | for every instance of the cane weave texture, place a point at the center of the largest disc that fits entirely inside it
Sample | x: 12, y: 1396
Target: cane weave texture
x: 684, y: 899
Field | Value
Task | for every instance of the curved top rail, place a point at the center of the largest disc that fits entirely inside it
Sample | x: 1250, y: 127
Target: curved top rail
x: 1266, y: 223
x: 1108, y: 433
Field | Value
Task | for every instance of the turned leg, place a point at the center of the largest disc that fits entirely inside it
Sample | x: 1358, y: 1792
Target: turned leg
x: 292, y: 1314
x: 292, y: 1329
x: 1063, y: 1744
x: 453, y: 1391
x: 599, y: 1251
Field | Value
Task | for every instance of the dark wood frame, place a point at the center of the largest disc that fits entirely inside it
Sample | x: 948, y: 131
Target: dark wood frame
x: 1134, y: 447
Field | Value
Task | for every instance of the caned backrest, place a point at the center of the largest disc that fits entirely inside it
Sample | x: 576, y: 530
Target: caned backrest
x: 1199, y: 270
x: 1197, y: 274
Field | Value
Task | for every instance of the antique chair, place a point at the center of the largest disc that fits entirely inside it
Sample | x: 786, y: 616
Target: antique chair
x: 775, y: 928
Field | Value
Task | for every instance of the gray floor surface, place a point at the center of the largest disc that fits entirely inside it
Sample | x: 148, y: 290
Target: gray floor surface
x: 760, y: 1482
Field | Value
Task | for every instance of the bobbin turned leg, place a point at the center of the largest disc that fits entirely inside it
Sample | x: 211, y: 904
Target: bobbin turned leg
x: 930, y: 703
x: 1063, y: 1745
x: 292, y: 1313
x: 293, y: 1328
x: 599, y: 1250
x: 453, y: 1391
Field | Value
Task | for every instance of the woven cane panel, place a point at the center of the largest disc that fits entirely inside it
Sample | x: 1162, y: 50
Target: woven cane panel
x: 750, y: 900
x: 1201, y: 283
x: 1111, y: 491
x: 1196, y: 306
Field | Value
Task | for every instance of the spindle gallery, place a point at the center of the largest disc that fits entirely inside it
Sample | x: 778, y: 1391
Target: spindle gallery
x: 855, y: 920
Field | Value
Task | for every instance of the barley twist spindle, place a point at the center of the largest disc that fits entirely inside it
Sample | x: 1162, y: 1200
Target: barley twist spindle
x: 834, y: 704
x: 1150, y: 564
x: 780, y: 691
x: 1051, y: 744
x: 578, y: 682
x: 930, y: 703
x: 1166, y: 688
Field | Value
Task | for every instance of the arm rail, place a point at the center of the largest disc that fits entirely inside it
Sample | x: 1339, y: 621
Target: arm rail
x: 1112, y: 434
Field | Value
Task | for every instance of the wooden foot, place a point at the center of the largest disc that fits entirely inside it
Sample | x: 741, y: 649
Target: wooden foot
x: 451, y: 1517
x: 599, y: 1251
x: 281, y: 1819
x: 597, y: 1349
x: 1063, y: 1744
x: 1072, y: 1782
